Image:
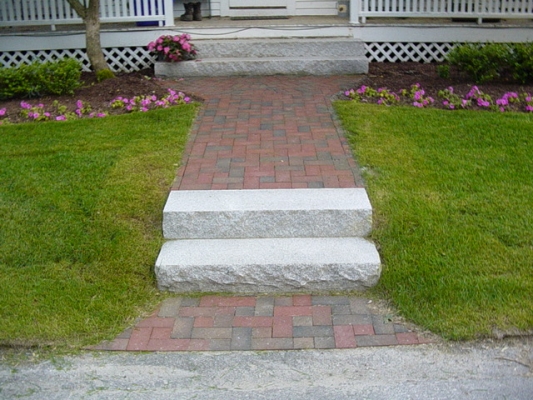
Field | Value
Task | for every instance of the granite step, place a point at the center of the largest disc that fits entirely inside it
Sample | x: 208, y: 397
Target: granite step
x: 271, y: 213
x: 289, y: 48
x: 248, y: 57
x: 268, y: 265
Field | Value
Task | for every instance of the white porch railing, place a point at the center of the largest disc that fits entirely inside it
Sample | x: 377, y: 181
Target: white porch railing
x: 477, y: 9
x: 59, y: 12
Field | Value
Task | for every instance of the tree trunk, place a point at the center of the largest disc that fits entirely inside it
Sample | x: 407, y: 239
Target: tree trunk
x: 91, y: 18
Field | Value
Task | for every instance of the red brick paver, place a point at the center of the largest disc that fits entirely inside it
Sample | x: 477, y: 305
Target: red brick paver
x: 263, y: 323
x: 268, y: 132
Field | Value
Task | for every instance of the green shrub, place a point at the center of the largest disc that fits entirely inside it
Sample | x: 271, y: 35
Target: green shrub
x: 104, y: 74
x: 521, y: 62
x: 443, y: 71
x: 14, y: 82
x: 480, y: 62
x: 38, y: 79
x: 61, y: 77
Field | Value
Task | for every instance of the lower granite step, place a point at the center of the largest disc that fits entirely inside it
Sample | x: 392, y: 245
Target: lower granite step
x: 262, y: 66
x: 272, y: 265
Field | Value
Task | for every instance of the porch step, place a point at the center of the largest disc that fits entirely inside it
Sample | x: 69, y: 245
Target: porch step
x: 316, y: 56
x: 272, y: 213
x: 267, y: 265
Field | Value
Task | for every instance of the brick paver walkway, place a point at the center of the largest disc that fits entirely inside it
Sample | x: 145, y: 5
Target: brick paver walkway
x: 259, y: 133
x: 266, y: 133
x: 263, y: 323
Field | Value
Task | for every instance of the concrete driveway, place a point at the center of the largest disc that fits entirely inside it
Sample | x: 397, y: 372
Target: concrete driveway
x: 484, y: 370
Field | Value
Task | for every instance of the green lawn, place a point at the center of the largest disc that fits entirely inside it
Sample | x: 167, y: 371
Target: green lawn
x: 80, y: 223
x: 453, y: 204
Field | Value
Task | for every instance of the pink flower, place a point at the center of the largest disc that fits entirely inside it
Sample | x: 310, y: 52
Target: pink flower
x: 482, y: 103
x: 61, y: 118
x: 418, y: 95
x: 2, y: 112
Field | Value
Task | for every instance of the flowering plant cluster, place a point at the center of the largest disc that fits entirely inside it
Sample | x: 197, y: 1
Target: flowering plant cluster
x: 383, y: 96
x: 450, y: 100
x: 173, y: 48
x: 145, y: 103
x: 418, y: 96
x: 59, y: 112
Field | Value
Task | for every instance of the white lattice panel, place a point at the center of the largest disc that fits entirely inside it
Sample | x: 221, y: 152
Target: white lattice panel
x: 122, y: 59
x: 398, y: 52
x: 128, y: 59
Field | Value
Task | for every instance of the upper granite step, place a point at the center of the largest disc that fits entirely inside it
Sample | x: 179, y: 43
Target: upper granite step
x: 272, y: 213
x: 290, y: 48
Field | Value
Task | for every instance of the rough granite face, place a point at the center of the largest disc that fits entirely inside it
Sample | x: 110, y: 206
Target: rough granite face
x: 263, y: 66
x: 287, y: 265
x: 271, y: 213
x: 292, y: 48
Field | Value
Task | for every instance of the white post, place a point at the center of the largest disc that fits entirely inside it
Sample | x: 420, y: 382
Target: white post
x: 355, y: 7
x: 169, y: 12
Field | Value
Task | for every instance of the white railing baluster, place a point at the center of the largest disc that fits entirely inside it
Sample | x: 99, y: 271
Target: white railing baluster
x: 17, y: 11
x: 124, y: 9
x: 4, y: 11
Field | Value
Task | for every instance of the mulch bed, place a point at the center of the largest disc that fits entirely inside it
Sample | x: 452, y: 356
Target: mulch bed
x: 393, y: 76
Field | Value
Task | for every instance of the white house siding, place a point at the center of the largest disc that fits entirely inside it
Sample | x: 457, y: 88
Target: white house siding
x: 302, y: 7
x: 316, y: 7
